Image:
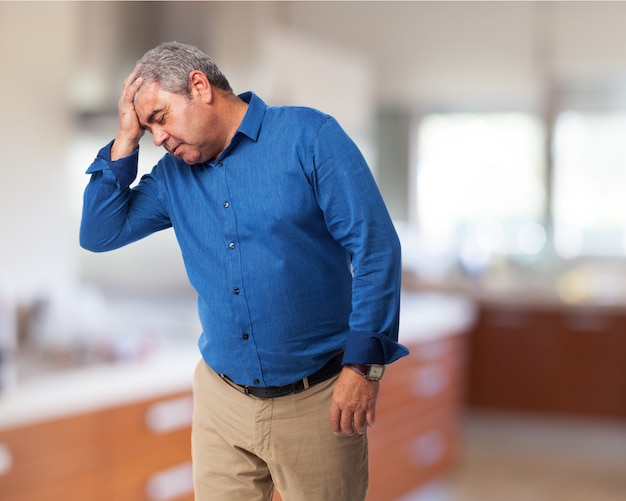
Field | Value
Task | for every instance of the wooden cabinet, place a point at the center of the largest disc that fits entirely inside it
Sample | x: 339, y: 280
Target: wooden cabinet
x: 541, y: 358
x: 55, y: 460
x: 135, y: 452
x: 415, y: 439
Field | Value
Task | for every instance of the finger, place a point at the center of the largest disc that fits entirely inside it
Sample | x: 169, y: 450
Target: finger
x: 347, y: 423
x: 335, y: 419
x: 360, y: 422
x: 371, y: 417
x: 130, y: 90
x: 131, y: 85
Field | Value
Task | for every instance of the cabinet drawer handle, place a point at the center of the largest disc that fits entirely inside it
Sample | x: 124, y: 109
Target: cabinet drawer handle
x: 170, y: 415
x: 430, y: 381
x: 171, y: 483
x: 429, y: 448
x: 6, y: 459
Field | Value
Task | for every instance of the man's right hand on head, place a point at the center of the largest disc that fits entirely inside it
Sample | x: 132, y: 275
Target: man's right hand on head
x: 129, y: 129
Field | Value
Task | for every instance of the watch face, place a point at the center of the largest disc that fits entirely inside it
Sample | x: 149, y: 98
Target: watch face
x: 375, y: 372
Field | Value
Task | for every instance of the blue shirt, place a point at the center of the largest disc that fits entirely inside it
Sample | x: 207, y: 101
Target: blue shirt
x: 284, y: 236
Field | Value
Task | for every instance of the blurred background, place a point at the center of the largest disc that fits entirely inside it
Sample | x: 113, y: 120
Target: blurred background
x: 496, y: 133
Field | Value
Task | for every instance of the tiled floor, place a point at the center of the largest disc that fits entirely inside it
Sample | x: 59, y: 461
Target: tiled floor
x: 527, y: 458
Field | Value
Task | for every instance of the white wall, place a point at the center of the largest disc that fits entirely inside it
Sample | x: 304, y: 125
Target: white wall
x: 347, y: 58
x: 471, y: 53
x: 37, y: 250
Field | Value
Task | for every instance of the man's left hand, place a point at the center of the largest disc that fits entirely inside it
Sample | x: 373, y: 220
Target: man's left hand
x: 353, y: 406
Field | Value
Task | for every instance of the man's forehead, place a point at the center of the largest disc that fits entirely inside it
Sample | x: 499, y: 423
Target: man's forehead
x: 147, y: 92
x: 149, y: 101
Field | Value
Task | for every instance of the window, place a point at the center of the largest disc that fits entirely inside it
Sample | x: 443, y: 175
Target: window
x: 481, y: 185
x: 590, y: 184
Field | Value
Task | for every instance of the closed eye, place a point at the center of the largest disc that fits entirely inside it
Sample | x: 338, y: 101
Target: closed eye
x: 157, y: 116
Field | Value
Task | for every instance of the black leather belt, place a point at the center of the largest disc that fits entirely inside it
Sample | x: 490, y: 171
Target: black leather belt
x: 332, y: 368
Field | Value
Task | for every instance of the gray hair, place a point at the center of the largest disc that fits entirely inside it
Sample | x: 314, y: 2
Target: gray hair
x: 170, y: 63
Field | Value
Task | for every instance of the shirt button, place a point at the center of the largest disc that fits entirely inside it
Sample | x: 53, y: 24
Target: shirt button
x: 235, y: 291
x: 220, y: 164
x: 245, y: 336
x: 226, y: 205
x: 231, y: 245
x: 256, y: 381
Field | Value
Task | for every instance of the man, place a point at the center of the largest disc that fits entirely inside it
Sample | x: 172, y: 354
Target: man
x: 296, y: 263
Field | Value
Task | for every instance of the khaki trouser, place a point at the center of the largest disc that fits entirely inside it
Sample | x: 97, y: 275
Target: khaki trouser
x: 243, y: 446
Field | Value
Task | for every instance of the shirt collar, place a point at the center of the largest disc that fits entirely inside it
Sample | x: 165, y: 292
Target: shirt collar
x: 251, y: 123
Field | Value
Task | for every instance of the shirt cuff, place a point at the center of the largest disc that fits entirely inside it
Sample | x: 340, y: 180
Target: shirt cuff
x: 124, y: 169
x: 372, y: 348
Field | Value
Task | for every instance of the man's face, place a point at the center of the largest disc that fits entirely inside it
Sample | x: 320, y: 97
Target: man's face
x: 179, y: 123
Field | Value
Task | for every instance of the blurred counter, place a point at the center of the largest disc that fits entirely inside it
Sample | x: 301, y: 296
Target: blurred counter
x: 424, y: 317
x: 101, y: 432
x: 98, y: 387
x: 427, y: 316
x: 600, y: 286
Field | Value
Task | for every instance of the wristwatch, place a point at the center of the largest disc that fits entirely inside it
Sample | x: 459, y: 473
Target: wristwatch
x: 373, y: 372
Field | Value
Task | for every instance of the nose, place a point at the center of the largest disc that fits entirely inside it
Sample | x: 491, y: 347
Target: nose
x: 159, y: 135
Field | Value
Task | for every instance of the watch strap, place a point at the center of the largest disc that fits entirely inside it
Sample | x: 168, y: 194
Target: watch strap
x: 373, y: 372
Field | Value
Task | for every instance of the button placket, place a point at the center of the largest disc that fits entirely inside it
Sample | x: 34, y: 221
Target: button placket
x: 231, y: 239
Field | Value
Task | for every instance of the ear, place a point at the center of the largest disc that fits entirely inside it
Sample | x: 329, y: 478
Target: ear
x: 199, y: 86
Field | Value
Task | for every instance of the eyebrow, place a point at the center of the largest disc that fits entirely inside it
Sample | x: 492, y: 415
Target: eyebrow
x: 151, y: 118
